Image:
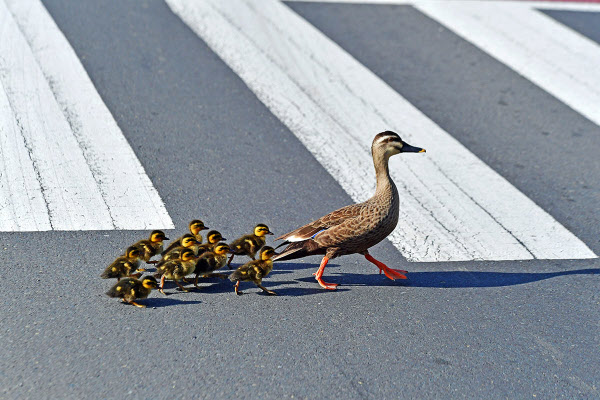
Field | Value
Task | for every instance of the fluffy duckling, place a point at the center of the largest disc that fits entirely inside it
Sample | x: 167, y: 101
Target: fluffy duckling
x: 177, y: 269
x: 188, y: 241
x: 249, y: 244
x: 124, y: 266
x: 254, y: 271
x: 195, y: 227
x: 130, y: 289
x: 211, y: 261
x: 212, y: 238
x: 152, y: 246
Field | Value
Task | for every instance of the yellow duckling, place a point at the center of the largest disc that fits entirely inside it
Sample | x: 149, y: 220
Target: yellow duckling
x: 188, y: 241
x: 177, y: 269
x: 255, y: 271
x: 124, y: 266
x: 211, y: 261
x: 130, y: 289
x: 249, y: 244
x: 152, y: 246
x: 195, y: 227
x: 212, y: 238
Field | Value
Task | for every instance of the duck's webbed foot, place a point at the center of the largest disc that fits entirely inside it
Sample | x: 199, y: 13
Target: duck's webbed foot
x: 319, y: 274
x: 393, y: 274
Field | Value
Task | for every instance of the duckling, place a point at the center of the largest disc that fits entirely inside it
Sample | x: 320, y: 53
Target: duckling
x: 249, y: 244
x: 212, y: 238
x: 152, y: 246
x: 254, y: 271
x: 188, y: 241
x: 177, y: 269
x: 123, y: 266
x: 130, y: 289
x: 357, y: 227
x: 211, y: 261
x: 195, y: 227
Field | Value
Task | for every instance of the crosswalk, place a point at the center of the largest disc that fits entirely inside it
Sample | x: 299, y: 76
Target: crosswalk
x: 454, y: 208
x: 65, y: 163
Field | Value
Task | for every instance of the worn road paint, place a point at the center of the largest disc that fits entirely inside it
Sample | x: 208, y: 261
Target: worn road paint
x: 453, y: 206
x: 554, y: 57
x: 78, y: 171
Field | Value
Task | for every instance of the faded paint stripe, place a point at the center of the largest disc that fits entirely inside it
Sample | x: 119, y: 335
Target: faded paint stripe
x: 556, y: 58
x: 454, y: 207
x: 88, y: 176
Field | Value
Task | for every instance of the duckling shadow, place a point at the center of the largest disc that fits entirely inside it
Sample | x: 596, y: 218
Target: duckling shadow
x: 299, y: 291
x: 456, y: 279
x: 159, y: 302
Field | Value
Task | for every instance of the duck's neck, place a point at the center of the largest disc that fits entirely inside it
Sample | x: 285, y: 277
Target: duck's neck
x: 382, y: 174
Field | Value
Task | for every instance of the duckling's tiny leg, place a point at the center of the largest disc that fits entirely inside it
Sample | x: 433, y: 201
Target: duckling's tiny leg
x: 162, y: 285
x: 196, y: 281
x: 272, y: 293
x: 181, y: 287
x: 229, y: 261
x: 389, y: 272
x: 137, y: 305
x: 319, y: 274
x: 237, y: 287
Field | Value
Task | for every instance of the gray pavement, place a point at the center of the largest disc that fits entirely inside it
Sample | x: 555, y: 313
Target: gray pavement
x: 213, y: 151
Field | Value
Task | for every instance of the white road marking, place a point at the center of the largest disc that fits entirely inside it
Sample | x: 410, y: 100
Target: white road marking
x: 559, y: 60
x: 78, y: 170
x: 555, y: 5
x: 454, y: 207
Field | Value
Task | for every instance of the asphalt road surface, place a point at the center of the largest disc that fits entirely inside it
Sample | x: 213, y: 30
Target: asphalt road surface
x: 213, y: 150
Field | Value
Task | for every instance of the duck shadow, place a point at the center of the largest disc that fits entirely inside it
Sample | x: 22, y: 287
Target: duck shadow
x: 158, y: 302
x: 454, y: 279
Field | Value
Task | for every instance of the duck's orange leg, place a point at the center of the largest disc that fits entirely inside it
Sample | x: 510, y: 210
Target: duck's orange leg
x: 319, y: 274
x: 389, y: 272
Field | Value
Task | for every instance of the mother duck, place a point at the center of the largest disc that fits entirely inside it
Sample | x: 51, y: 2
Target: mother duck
x: 357, y: 227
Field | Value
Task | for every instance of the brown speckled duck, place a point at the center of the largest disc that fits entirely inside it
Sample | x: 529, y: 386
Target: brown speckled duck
x: 356, y: 227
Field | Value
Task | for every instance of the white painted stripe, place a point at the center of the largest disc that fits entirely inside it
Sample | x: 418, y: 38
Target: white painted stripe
x: 453, y: 207
x: 555, y: 5
x: 89, y: 175
x: 22, y: 206
x: 559, y: 60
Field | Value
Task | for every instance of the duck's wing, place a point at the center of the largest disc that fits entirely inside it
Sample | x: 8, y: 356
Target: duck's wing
x: 330, y: 220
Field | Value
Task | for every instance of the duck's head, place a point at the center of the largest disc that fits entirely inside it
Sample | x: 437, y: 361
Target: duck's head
x: 214, y: 237
x: 266, y: 253
x: 158, y: 236
x: 132, y: 252
x: 149, y: 282
x: 197, y: 226
x: 187, y: 255
x: 188, y: 240
x: 262, y: 230
x: 221, y: 248
x: 389, y: 143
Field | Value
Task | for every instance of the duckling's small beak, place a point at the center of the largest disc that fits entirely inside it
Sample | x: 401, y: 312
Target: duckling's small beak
x: 206, y: 227
x: 407, y: 148
x: 270, y: 233
x: 223, y: 239
x: 166, y: 238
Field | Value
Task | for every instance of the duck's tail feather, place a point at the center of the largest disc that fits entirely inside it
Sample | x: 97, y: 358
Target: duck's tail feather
x: 298, y: 250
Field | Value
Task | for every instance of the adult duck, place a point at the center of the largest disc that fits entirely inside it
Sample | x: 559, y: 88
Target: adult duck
x: 356, y: 228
